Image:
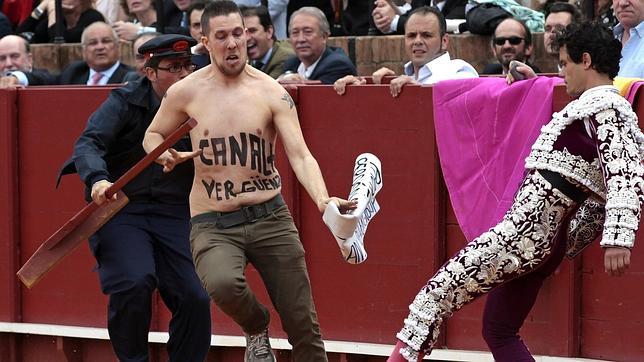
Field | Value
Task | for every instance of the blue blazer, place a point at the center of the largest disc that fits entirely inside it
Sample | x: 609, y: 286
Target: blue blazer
x: 333, y: 65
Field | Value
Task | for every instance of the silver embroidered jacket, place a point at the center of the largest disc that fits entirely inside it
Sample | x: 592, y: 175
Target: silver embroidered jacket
x: 615, y: 176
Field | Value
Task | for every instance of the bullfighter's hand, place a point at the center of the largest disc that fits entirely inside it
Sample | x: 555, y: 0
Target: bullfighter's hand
x: 616, y: 260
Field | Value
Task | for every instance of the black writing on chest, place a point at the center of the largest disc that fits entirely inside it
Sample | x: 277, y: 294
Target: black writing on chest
x: 227, y: 190
x: 246, y: 150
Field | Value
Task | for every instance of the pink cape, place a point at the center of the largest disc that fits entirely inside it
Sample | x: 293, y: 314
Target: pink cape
x: 484, y: 131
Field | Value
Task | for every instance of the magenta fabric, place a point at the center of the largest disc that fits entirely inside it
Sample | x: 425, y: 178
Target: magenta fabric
x: 632, y: 90
x: 484, y: 131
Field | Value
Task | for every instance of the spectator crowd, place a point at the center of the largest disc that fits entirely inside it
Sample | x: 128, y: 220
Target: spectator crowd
x: 289, y: 39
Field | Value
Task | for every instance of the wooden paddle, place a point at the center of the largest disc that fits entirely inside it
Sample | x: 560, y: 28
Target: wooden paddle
x: 91, y: 217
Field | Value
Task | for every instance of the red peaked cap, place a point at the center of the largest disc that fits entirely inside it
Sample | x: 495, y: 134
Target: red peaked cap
x: 168, y: 45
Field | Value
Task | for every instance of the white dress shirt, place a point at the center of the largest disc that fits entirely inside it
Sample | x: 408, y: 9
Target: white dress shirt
x: 441, y: 68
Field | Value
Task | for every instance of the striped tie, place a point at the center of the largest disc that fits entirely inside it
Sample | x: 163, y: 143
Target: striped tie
x: 96, y: 78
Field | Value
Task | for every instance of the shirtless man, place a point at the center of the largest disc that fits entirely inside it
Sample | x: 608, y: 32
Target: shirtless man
x: 238, y: 214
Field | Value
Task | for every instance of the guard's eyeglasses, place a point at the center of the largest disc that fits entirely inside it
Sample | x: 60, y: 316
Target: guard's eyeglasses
x: 176, y: 67
x: 514, y: 40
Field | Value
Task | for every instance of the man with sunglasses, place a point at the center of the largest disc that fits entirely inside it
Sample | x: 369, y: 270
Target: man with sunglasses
x: 145, y: 246
x: 512, y: 40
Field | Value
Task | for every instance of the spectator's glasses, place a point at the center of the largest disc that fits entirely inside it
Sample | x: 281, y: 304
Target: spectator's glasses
x: 176, y: 67
x: 514, y: 40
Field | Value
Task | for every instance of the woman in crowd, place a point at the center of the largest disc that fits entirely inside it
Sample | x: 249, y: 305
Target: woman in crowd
x: 143, y: 15
x: 41, y: 24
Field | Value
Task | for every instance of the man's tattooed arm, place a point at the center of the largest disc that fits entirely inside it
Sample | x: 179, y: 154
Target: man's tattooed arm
x: 287, y: 98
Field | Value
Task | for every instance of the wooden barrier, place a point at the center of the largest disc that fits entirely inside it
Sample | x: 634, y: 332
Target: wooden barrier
x: 581, y: 312
x: 368, y: 53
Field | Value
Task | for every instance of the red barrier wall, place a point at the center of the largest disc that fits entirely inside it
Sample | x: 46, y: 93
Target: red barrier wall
x: 10, y: 302
x: 580, y: 311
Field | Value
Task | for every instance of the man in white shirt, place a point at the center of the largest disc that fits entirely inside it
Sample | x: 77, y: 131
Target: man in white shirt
x: 630, y: 31
x: 426, y: 43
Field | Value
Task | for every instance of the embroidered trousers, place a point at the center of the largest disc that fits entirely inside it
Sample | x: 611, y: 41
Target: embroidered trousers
x: 518, y: 245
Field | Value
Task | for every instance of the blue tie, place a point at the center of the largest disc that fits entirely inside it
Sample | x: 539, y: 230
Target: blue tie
x: 184, y: 20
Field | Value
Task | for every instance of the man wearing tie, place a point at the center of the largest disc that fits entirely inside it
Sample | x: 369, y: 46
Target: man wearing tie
x: 100, y: 64
x: 264, y: 50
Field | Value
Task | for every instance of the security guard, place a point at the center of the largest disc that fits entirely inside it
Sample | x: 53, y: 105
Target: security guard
x: 146, y: 244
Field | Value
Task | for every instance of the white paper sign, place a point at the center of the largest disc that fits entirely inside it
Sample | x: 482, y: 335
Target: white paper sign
x: 349, y: 229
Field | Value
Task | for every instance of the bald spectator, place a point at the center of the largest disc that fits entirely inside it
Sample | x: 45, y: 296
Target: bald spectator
x: 558, y: 16
x: 100, y: 64
x: 426, y: 42
x: 101, y: 59
x: 265, y: 52
x: 313, y: 59
x: 512, y: 40
x: 630, y: 31
x: 15, y: 56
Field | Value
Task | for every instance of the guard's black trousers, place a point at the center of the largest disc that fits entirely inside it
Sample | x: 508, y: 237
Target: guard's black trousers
x: 146, y: 246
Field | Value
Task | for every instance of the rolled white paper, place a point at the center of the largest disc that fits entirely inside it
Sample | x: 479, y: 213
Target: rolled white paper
x: 349, y: 229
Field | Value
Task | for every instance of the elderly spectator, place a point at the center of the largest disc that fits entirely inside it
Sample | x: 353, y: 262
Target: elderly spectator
x: 144, y: 18
x: 558, y: 16
x: 390, y: 19
x: 313, y: 59
x: 100, y: 64
x: 15, y: 54
x: 101, y: 55
x: 512, y: 40
x: 426, y: 43
x: 630, y: 31
x: 265, y: 52
x: 15, y: 57
x: 77, y: 15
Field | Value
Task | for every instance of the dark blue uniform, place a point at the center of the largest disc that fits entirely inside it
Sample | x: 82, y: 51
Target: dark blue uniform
x: 146, y: 245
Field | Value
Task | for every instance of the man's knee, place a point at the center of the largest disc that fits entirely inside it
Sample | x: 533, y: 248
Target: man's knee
x: 224, y: 289
x: 197, y: 298
x: 131, y: 286
x: 496, y: 334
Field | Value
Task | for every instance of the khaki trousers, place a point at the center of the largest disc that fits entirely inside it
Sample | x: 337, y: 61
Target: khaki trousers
x: 272, y: 245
